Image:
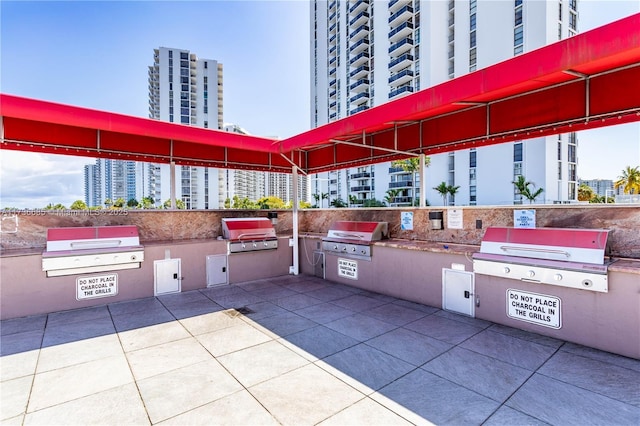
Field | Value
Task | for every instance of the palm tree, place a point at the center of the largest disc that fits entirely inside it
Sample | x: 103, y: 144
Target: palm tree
x: 352, y: 200
x: 629, y: 180
x: 325, y: 196
x: 443, y: 190
x: 391, y: 195
x: 585, y: 193
x: 316, y: 197
x: 452, y: 190
x: 522, y: 186
x: 411, y: 165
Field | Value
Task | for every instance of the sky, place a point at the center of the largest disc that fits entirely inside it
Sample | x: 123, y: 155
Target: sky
x: 95, y: 54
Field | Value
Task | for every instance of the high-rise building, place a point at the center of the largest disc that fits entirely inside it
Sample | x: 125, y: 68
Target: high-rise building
x: 365, y: 53
x: 107, y: 181
x: 187, y: 90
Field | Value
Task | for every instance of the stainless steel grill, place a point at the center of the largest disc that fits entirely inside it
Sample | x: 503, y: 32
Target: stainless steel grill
x: 80, y: 250
x: 249, y: 234
x: 557, y: 256
x: 354, y: 239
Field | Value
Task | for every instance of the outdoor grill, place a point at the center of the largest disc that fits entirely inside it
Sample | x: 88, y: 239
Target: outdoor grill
x: 249, y: 234
x: 562, y: 257
x: 354, y: 238
x: 80, y: 250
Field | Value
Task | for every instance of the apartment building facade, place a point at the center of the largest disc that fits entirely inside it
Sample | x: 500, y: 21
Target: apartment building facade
x: 365, y: 53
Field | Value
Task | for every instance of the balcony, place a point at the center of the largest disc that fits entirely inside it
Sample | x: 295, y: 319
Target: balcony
x: 358, y: 6
x: 358, y: 33
x: 403, y: 14
x: 359, y: 72
x: 400, y: 91
x: 394, y: 5
x: 333, y: 60
x: 333, y: 82
x: 333, y: 16
x: 332, y: 5
x: 401, y: 46
x: 401, y: 184
x: 359, y: 59
x: 333, y: 105
x: 360, y: 98
x: 360, y: 175
x: 359, y: 109
x: 401, y: 77
x: 332, y: 71
x: 360, y: 85
x: 333, y: 28
x: 332, y: 50
x: 400, y: 62
x: 360, y: 19
x: 403, y: 30
x: 332, y: 40
x: 360, y: 46
x: 332, y: 93
x: 364, y: 188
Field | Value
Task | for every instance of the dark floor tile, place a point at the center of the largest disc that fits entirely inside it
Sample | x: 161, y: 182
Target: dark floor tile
x: 358, y: 302
x: 394, y: 314
x: 360, y: 327
x: 329, y: 293
x: 23, y: 324
x: 527, y: 335
x: 619, y: 360
x: 193, y: 309
x: 273, y: 293
x: 73, y: 332
x: 444, y: 329
x: 262, y: 310
x: 21, y: 342
x: 464, y: 319
x: 603, y: 378
x: 135, y: 320
x: 409, y: 346
x: 417, y: 306
x: 133, y: 306
x: 237, y: 300
x: 512, y: 350
x: 560, y: 403
x: 506, y: 416
x: 482, y: 374
x: 297, y: 301
x: 286, y: 324
x: 438, y: 400
x: 321, y: 341
x: 324, y: 312
x: 183, y: 298
x: 369, y: 366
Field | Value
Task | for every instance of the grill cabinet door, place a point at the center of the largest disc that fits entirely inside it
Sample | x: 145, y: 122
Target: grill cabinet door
x: 457, y: 291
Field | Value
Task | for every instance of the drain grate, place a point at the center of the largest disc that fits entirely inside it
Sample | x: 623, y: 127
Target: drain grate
x: 234, y: 312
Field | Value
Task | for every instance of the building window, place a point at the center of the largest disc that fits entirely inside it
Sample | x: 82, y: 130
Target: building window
x: 184, y: 55
x: 517, y: 151
x: 205, y: 66
x: 472, y: 158
x: 559, y: 170
x: 573, y: 21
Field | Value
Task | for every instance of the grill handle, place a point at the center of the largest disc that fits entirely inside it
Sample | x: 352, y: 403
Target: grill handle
x: 346, y: 235
x: 253, y: 234
x: 94, y: 244
x: 537, y: 250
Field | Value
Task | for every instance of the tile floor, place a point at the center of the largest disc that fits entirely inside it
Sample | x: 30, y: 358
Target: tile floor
x: 300, y: 351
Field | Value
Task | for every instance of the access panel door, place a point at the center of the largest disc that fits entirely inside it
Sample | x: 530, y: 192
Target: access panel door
x: 457, y: 291
x: 167, y: 276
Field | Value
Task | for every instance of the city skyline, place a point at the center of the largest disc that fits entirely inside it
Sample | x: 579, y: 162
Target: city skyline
x: 77, y: 57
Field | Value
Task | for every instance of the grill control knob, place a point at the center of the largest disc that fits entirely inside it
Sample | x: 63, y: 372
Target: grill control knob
x: 363, y: 251
x: 531, y: 274
x: 557, y: 277
x: 506, y: 270
x: 266, y: 244
x: 353, y: 249
x: 255, y: 245
x: 335, y: 247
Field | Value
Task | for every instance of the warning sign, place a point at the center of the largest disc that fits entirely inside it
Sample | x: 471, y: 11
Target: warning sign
x: 535, y: 308
x: 96, y: 286
x: 348, y: 269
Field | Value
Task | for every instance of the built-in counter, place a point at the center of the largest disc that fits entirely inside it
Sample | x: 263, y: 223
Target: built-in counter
x: 415, y: 271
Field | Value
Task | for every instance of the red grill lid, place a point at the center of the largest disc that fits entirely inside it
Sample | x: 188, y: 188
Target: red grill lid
x: 253, y: 228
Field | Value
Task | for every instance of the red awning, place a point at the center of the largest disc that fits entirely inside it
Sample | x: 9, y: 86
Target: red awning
x: 587, y: 81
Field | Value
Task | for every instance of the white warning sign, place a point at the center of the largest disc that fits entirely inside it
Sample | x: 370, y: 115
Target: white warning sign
x: 96, y: 286
x: 535, y: 308
x: 348, y: 269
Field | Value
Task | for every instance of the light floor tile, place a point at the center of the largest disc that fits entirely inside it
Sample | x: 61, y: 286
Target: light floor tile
x: 18, y: 365
x: 240, y: 408
x: 15, y: 397
x: 213, y: 321
x: 118, y: 406
x: 62, y: 333
x: 69, y: 383
x: 318, y: 396
x: 140, y: 338
x: 81, y: 351
x: 262, y: 362
x: 232, y: 339
x: 21, y: 342
x: 365, y: 412
x: 175, y: 392
x: 159, y: 359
